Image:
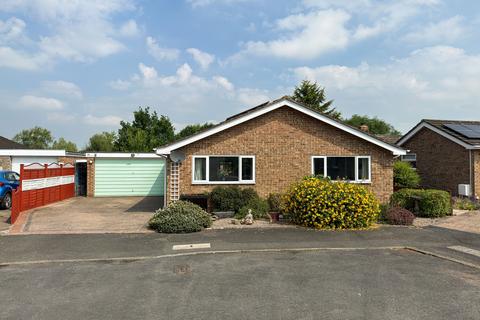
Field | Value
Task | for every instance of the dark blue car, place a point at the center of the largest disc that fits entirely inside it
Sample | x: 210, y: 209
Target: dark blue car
x: 9, y: 181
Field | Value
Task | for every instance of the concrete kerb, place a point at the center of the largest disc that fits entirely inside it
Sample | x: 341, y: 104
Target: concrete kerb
x: 239, y: 251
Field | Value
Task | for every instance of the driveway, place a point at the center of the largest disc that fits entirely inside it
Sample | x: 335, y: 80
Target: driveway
x: 90, y: 215
x: 462, y: 221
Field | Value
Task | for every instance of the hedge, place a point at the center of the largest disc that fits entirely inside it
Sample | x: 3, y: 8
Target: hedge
x: 431, y: 203
x: 180, y: 217
x: 231, y: 198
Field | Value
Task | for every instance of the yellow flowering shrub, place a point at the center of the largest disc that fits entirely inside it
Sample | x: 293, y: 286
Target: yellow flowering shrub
x: 322, y: 204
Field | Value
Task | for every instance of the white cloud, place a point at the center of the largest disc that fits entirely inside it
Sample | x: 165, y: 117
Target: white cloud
x: 16, y: 59
x: 308, y: 36
x: 110, y: 120
x: 433, y: 81
x: 78, y: 30
x: 148, y: 73
x: 252, y: 97
x: 11, y: 30
x: 224, y: 83
x: 63, y: 88
x: 204, y: 3
x: 129, y: 29
x: 445, y: 31
x: 42, y: 103
x: 202, y: 58
x: 160, y: 53
x: 60, y: 117
x: 120, y: 84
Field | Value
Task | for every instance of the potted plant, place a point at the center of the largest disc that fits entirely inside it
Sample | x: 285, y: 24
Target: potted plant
x: 274, y: 204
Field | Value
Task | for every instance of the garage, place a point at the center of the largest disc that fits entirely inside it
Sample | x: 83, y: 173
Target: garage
x: 135, y: 175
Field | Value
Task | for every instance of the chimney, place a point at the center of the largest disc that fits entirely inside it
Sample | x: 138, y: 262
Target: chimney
x: 364, y: 128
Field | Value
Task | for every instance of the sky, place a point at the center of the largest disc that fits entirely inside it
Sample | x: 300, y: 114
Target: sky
x: 79, y: 67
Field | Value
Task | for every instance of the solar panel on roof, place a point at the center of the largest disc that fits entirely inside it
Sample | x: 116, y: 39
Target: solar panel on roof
x: 469, y: 131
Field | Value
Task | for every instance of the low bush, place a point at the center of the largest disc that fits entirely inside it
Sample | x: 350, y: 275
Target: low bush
x: 431, y: 203
x: 400, y: 216
x: 274, y: 202
x: 465, y: 204
x: 258, y: 206
x: 405, y: 176
x: 231, y: 198
x: 320, y: 203
x: 180, y: 217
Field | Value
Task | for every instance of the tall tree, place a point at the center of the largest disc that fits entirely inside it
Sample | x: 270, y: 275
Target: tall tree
x: 192, y: 129
x: 66, y: 145
x: 375, y: 125
x: 34, y: 138
x: 146, y: 132
x: 104, y: 141
x: 313, y: 96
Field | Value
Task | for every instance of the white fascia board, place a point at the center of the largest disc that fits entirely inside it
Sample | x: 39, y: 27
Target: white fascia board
x: 121, y: 155
x: 32, y: 152
x: 281, y: 103
x: 436, y: 130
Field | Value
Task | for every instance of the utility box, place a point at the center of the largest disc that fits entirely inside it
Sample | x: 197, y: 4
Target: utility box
x: 464, y: 190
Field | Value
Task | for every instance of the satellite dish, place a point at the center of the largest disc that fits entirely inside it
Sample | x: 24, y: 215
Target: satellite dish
x: 177, y: 156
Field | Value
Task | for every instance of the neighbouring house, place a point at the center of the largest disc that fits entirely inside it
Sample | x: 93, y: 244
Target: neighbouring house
x: 273, y: 145
x: 446, y: 154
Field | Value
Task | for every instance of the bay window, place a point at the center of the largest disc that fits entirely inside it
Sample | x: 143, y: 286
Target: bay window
x: 223, y: 169
x: 352, y: 169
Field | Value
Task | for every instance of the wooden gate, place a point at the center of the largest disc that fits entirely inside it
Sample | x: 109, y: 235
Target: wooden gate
x: 41, y: 185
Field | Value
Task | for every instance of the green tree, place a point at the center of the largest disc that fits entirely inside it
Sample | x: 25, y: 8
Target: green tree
x: 66, y: 145
x: 34, y: 138
x: 104, y: 141
x: 192, y: 129
x: 405, y: 176
x: 313, y: 96
x: 146, y: 132
x: 375, y: 125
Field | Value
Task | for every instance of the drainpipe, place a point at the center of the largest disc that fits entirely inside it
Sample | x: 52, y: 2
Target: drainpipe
x: 471, y: 173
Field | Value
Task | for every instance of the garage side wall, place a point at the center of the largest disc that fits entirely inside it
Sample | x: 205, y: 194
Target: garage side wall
x: 5, y: 163
x: 476, y: 173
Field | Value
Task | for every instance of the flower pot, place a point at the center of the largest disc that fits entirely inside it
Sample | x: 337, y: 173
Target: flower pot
x: 274, y: 216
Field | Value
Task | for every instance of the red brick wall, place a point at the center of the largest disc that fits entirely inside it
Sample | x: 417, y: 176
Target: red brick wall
x: 90, y: 177
x: 283, y: 142
x: 476, y: 172
x: 441, y: 163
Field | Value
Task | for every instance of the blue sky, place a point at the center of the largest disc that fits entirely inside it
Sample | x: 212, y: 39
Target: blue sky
x: 79, y: 67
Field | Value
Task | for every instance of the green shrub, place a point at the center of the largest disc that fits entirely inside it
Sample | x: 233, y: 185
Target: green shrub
x: 404, y: 176
x: 465, y: 204
x: 274, y: 202
x: 231, y: 198
x: 180, y: 217
x: 259, y: 209
x: 383, y: 212
x: 320, y: 203
x: 431, y: 203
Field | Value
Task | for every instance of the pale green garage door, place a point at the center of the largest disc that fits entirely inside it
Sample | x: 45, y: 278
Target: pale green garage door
x: 129, y: 177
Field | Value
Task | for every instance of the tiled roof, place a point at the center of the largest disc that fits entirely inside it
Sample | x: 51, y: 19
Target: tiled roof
x: 9, y: 144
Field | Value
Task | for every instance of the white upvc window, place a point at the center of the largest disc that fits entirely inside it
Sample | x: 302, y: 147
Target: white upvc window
x: 411, y: 158
x: 343, y: 168
x: 223, y: 169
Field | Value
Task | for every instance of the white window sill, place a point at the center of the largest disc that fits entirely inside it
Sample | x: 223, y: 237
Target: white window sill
x: 223, y: 182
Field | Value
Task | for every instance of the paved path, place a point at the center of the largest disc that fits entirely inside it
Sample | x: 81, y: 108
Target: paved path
x: 242, y: 274
x: 468, y: 222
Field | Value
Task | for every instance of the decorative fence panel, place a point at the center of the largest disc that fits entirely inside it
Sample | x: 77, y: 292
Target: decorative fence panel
x: 41, y: 185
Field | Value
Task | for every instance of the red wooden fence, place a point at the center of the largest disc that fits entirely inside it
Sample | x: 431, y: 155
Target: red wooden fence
x: 41, y: 185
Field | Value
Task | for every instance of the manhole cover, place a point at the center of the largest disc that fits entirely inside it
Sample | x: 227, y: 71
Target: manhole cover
x: 182, y: 269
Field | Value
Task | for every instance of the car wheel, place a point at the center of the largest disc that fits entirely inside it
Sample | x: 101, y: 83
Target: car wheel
x: 7, y: 201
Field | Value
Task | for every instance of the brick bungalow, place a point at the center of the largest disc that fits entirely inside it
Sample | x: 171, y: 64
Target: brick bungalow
x: 273, y: 145
x: 446, y: 152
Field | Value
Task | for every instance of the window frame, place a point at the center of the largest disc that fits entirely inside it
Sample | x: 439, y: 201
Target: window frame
x: 240, y: 169
x: 357, y: 180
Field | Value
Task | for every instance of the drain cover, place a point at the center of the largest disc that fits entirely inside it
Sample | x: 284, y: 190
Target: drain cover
x: 182, y: 269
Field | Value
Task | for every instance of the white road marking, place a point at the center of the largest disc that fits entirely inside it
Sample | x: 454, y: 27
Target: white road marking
x: 191, y: 246
x: 466, y: 250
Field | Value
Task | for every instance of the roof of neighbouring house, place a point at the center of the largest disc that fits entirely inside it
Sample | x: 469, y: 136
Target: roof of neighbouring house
x: 9, y: 144
x: 270, y: 106
x: 463, y: 132
x: 389, y: 138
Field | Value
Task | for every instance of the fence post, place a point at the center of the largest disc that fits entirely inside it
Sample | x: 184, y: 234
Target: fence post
x: 20, y: 188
